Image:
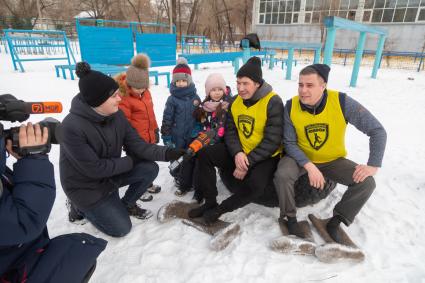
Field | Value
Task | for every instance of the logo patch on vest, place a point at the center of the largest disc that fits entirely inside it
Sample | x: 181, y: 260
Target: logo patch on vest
x: 246, y: 125
x: 317, y: 134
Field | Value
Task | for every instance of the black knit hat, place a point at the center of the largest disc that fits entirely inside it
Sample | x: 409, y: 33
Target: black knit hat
x: 252, y: 70
x: 95, y: 87
x: 323, y: 70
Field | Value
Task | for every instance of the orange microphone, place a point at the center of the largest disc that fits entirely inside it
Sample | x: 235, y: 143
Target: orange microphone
x: 43, y: 107
x: 203, y: 139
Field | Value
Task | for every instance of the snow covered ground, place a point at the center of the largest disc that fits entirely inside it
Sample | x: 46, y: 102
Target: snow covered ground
x: 390, y: 228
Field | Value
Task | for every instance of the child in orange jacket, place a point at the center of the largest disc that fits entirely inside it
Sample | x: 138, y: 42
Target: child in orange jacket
x: 137, y: 105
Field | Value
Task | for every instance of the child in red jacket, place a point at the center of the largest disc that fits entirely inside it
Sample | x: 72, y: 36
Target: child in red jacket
x: 137, y: 104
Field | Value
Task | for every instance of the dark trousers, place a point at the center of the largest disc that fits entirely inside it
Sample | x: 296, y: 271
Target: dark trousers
x: 185, y: 174
x: 110, y: 215
x: 246, y: 190
x: 340, y: 171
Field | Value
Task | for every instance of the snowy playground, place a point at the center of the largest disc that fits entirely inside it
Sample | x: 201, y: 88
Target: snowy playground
x: 389, y: 229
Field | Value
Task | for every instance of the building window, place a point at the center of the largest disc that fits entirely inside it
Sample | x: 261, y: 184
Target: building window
x: 366, y: 15
x: 421, y: 17
x: 279, y: 11
x: 376, y: 11
x: 399, y: 15
x: 377, y: 15
x: 393, y: 11
x: 307, y: 19
x: 388, y: 15
x: 410, y: 15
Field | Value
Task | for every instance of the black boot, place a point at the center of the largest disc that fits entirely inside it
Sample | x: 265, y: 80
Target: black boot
x: 73, y: 214
x: 212, y: 215
x: 199, y: 211
x: 198, y: 196
x: 294, y: 228
x: 332, y: 228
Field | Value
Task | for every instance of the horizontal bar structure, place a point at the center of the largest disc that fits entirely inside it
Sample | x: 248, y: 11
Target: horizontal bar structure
x: 340, y: 23
x: 334, y: 23
x: 291, y: 46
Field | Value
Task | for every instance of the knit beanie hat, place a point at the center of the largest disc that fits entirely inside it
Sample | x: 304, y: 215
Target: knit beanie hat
x: 214, y: 80
x: 252, y: 70
x: 95, y: 87
x: 182, y: 71
x: 138, y: 73
x: 322, y: 69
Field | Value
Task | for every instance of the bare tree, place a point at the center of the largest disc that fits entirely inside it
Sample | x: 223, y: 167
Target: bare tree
x: 193, y: 14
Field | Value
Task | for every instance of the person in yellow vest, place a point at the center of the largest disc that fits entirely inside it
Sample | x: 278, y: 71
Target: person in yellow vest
x: 314, y: 139
x: 252, y: 145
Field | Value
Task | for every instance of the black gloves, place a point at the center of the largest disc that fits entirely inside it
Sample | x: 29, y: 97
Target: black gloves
x: 173, y: 153
x: 12, y: 109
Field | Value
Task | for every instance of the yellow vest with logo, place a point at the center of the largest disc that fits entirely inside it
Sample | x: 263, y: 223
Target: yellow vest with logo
x: 251, y: 121
x: 322, y: 136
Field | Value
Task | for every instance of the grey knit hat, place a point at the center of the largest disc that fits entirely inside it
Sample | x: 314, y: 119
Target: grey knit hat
x: 138, y: 72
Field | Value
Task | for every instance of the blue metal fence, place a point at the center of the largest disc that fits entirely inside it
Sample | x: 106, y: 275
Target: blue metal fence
x: 37, y: 42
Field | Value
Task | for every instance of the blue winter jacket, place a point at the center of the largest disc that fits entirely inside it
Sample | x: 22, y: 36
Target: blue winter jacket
x: 26, y: 252
x: 178, y: 121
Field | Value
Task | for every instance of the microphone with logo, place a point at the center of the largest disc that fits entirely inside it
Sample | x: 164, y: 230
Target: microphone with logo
x: 12, y: 110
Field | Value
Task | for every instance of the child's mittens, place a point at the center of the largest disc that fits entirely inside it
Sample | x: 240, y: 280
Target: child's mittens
x: 168, y: 142
x: 220, y: 132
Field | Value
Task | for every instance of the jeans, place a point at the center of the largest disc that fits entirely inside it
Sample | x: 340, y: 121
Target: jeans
x: 110, y: 215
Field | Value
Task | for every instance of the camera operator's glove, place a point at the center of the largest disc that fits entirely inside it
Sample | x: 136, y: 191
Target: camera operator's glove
x: 167, y: 142
x: 12, y: 109
x: 174, y: 153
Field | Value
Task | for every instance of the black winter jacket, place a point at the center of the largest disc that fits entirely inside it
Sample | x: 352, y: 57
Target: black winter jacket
x: 273, y: 132
x: 90, y: 153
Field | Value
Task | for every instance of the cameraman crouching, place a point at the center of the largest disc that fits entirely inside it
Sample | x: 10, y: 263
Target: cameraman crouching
x: 27, y: 195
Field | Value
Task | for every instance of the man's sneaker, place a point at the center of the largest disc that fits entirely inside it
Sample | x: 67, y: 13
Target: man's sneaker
x: 146, y: 197
x: 74, y: 216
x: 139, y: 212
x: 154, y: 189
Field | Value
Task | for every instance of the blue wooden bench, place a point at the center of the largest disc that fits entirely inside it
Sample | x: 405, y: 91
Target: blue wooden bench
x: 233, y: 57
x: 109, y: 70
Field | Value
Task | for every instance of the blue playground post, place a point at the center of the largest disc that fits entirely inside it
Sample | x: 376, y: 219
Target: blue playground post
x: 246, y: 51
x: 271, y: 54
x: 329, y: 45
x: 358, y: 59
x: 378, y: 56
x: 289, y: 63
x: 333, y: 23
x: 316, y: 55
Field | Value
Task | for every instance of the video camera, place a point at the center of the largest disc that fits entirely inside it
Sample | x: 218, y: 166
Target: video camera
x: 12, y: 110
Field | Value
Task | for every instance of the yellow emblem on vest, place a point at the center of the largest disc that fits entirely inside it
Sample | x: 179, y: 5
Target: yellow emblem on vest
x: 317, y: 134
x: 251, y: 122
x: 246, y: 125
x: 320, y: 136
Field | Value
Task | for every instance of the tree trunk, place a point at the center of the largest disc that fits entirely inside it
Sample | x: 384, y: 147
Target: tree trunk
x: 229, y: 26
x: 193, y: 13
